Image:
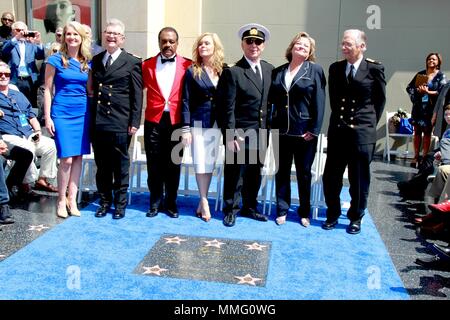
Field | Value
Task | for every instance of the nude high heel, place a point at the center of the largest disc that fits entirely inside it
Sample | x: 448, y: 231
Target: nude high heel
x: 62, y: 212
x: 205, y: 213
x: 73, y: 211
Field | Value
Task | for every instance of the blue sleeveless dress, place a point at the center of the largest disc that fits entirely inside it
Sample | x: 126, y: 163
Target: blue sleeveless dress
x: 70, y: 109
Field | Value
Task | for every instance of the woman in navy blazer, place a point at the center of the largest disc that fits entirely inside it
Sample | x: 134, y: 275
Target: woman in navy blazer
x: 298, y: 97
x: 198, y: 112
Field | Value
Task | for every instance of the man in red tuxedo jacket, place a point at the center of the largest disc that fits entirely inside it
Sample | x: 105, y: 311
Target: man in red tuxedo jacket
x: 163, y: 77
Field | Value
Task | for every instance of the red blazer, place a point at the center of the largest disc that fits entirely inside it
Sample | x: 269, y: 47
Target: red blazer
x: 155, y: 99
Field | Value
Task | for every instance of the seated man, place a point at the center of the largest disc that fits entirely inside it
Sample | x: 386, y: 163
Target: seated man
x: 19, y: 127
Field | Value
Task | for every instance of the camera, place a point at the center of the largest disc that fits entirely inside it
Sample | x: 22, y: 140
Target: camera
x: 30, y: 34
x: 35, y: 137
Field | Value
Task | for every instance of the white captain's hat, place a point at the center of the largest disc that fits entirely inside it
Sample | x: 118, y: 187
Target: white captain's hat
x: 254, y: 30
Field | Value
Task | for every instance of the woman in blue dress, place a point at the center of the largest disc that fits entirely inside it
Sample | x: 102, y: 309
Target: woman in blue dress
x: 67, y: 115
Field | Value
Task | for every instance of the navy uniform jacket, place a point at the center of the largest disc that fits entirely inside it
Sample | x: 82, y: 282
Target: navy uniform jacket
x: 198, y: 102
x: 117, y: 98
x: 356, y: 108
x: 241, y: 99
x: 301, y: 107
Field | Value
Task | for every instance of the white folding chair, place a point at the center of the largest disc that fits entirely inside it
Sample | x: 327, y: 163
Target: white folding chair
x: 138, y: 159
x: 389, y: 134
x: 87, y: 177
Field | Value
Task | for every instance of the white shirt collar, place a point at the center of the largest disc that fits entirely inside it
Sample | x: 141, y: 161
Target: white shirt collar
x: 253, y: 64
x: 114, y: 55
x: 355, y: 65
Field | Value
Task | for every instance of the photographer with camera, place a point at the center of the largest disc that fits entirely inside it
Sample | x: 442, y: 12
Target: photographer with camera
x: 19, y: 127
x: 21, y: 53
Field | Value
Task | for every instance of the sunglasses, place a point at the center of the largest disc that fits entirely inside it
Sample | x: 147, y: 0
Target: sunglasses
x: 18, y: 30
x: 250, y: 41
x: 6, y: 19
x: 5, y: 74
x: 59, y: 34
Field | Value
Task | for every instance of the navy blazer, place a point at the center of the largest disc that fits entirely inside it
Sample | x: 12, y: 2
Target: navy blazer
x: 33, y: 52
x: 242, y: 98
x: 198, y: 100
x: 356, y: 107
x: 117, y: 92
x: 301, y: 107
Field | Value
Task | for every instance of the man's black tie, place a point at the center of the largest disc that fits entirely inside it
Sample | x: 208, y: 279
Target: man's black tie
x: 350, y: 74
x: 258, y: 73
x: 108, y: 62
x: 168, y: 60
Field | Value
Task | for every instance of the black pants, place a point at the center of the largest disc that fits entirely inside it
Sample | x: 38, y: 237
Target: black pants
x: 29, y: 89
x: 163, y: 171
x: 113, y: 165
x: 303, y: 153
x: 358, y: 158
x: 241, y: 179
x: 22, y: 160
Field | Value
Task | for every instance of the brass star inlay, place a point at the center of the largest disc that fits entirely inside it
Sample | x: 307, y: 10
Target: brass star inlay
x: 154, y: 270
x: 176, y: 240
x: 214, y: 243
x: 248, y: 279
x: 255, y: 246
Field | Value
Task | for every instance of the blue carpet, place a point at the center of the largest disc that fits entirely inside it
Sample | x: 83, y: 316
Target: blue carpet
x: 91, y: 258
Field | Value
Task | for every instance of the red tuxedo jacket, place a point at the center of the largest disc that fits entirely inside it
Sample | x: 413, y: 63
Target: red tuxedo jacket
x: 155, y: 99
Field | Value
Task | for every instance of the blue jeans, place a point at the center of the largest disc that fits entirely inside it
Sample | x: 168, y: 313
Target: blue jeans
x: 4, y: 196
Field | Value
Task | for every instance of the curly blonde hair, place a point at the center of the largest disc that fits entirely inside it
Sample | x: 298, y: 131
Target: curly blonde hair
x: 217, y: 58
x: 84, y: 52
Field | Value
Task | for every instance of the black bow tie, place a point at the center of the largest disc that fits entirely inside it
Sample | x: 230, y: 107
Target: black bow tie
x: 168, y: 60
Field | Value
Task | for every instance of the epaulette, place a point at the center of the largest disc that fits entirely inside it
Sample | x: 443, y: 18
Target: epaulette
x: 132, y: 54
x: 372, y: 61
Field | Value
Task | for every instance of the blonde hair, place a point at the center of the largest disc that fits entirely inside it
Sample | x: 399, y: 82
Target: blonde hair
x: 217, y: 58
x: 84, y: 52
x: 312, y: 47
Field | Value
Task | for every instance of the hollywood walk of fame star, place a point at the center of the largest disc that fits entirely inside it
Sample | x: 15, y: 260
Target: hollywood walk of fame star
x: 255, y: 246
x: 214, y: 243
x: 176, y: 240
x: 248, y: 279
x: 154, y: 270
x: 38, y: 228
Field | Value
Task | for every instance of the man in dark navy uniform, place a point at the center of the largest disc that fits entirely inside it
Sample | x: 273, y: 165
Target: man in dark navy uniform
x: 242, y: 94
x: 116, y: 80
x: 357, y: 99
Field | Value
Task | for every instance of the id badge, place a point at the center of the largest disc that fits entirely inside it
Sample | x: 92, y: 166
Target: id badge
x: 23, y: 120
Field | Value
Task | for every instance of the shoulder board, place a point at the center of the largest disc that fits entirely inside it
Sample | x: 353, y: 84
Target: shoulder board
x: 131, y: 54
x: 372, y: 61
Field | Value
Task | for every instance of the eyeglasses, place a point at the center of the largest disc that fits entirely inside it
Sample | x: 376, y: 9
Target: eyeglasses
x: 7, y: 19
x: 115, y: 34
x: 18, y: 30
x: 251, y: 41
x: 5, y: 74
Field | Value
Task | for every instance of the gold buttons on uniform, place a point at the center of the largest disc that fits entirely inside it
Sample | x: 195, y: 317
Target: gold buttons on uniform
x: 342, y: 117
x: 109, y: 103
x: 353, y: 110
x: 352, y: 126
x: 342, y: 108
x: 351, y: 118
x: 110, y: 94
x: 343, y: 99
x: 100, y: 84
x: 98, y: 102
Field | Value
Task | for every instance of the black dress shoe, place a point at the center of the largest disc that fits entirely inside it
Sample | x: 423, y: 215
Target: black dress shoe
x: 329, y: 225
x: 102, y: 211
x: 229, y: 219
x: 253, y: 214
x: 443, y: 252
x: 7, y: 220
x: 173, y: 212
x: 119, y: 214
x: 152, y: 212
x: 354, y: 228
